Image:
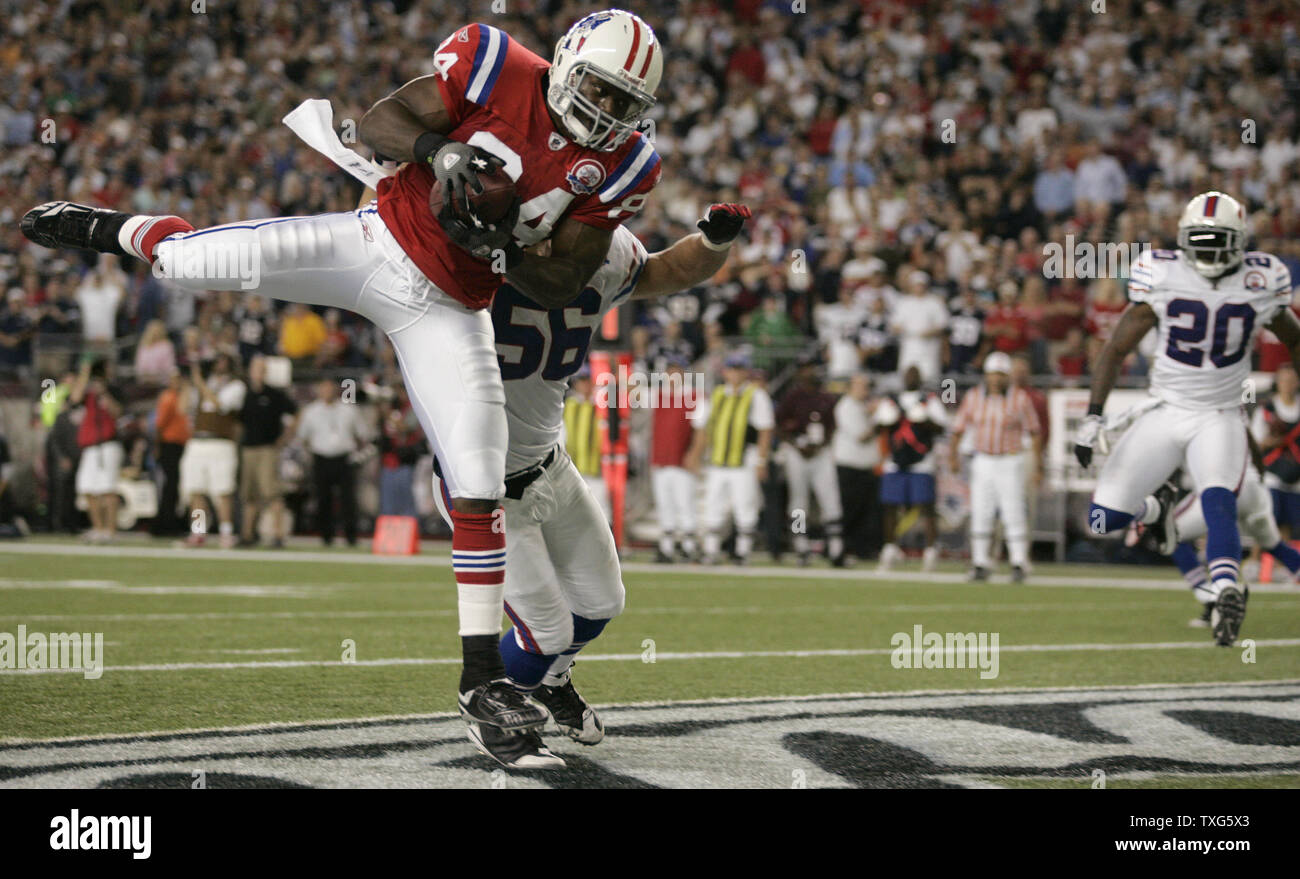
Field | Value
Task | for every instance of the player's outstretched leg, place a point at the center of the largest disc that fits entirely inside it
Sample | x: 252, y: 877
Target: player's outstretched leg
x: 58, y: 224
x: 1223, y: 555
x: 572, y: 714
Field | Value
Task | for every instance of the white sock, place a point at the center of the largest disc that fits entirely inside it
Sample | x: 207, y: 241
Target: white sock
x: 979, y: 551
x: 1150, y: 511
x: 559, y: 670
x: 1018, y: 549
x: 744, y: 543
x: 480, y: 608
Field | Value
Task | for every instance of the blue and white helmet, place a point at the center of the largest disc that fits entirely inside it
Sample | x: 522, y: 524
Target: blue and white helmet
x: 1212, y: 232
x: 619, y: 51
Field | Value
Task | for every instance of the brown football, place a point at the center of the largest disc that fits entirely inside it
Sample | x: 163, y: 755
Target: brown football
x: 490, y: 205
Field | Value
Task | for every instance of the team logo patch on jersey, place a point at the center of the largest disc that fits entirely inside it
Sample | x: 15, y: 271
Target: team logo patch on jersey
x: 586, y: 176
x: 556, y: 142
x: 1254, y: 280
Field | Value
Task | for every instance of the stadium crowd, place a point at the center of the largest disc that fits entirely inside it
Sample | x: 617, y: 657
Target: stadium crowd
x: 906, y: 163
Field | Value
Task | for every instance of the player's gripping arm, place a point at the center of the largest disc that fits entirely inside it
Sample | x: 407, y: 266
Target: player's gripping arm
x: 1287, y: 329
x: 577, y: 251
x: 411, y: 125
x: 697, y: 257
x: 1138, y: 320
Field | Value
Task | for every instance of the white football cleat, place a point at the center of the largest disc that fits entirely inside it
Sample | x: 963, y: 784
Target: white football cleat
x: 572, y: 714
x: 521, y: 750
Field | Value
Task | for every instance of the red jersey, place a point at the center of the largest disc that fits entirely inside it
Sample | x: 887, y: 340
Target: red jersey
x: 1102, y: 318
x: 671, y: 429
x: 493, y: 90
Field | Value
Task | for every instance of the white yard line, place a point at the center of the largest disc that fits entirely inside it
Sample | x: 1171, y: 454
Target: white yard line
x: 838, y: 576
x: 638, y: 657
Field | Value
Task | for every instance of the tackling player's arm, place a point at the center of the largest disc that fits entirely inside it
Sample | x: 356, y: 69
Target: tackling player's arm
x: 697, y: 257
x: 1287, y: 329
x: 577, y: 251
x: 1138, y: 320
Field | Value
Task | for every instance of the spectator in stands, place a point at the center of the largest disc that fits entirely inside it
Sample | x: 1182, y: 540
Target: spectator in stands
x: 1072, y: 356
x: 1099, y: 183
x: 920, y: 320
x: 1054, y: 187
x: 334, y: 433
x: 1006, y: 325
x: 172, y: 427
x: 155, y: 356
x: 774, y: 334
x: 965, y: 330
x: 100, y: 461
x: 838, y: 324
x: 302, y: 334
x: 266, y: 418
x: 401, y: 443
x: 16, y: 331
x: 210, y: 462
x: 856, y: 450
x: 99, y: 296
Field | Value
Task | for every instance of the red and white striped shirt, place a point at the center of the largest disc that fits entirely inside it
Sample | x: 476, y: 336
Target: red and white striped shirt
x: 999, y: 421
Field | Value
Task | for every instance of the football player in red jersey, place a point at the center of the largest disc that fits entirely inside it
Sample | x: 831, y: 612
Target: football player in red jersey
x: 566, y: 133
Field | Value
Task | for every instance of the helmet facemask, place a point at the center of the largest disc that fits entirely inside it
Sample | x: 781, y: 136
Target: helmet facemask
x: 1213, y: 250
x: 588, y: 124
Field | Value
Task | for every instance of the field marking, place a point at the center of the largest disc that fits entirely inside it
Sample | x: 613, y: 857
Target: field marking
x: 639, y: 657
x: 838, y: 576
x: 240, y: 590
x: 723, y: 610
x: 319, y: 723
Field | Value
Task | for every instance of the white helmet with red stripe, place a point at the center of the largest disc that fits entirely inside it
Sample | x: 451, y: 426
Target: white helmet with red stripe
x: 1212, y: 231
x: 606, y: 55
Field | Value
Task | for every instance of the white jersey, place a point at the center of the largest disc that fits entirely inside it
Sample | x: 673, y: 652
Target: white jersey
x: 1206, y: 329
x: 538, y: 349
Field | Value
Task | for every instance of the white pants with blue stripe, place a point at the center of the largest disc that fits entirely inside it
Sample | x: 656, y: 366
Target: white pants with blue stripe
x: 447, y: 352
x: 560, y: 559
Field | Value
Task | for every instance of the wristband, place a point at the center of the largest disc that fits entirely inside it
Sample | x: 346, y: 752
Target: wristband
x: 427, y: 144
x: 1095, y: 408
x: 718, y: 247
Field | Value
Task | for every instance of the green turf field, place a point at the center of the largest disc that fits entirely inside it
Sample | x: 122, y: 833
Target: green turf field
x: 251, y: 639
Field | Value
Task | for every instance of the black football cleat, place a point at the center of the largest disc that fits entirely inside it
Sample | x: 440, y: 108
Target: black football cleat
x: 977, y: 574
x: 571, y: 713
x: 1228, y: 614
x: 59, y: 224
x: 662, y: 558
x: 1162, y: 531
x: 1017, y: 574
x: 498, y: 704
x: 514, y: 750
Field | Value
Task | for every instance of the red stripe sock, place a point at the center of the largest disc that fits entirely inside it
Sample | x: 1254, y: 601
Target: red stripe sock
x: 478, y: 557
x: 146, y: 237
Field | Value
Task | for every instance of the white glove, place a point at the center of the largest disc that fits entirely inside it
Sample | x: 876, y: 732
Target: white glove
x: 1090, y: 436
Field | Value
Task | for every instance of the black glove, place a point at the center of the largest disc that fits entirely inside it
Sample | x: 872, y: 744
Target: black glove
x: 483, y: 240
x: 457, y: 165
x: 723, y: 223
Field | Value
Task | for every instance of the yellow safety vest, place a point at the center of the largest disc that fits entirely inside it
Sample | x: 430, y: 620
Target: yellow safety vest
x: 582, y: 435
x: 728, y: 425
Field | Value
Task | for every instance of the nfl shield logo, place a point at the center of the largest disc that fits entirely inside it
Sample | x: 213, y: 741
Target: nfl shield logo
x: 586, y: 176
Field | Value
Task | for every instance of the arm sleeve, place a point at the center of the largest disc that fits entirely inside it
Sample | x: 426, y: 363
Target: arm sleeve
x: 468, y: 65
x: 1142, y: 278
x: 761, y: 416
x: 625, y: 189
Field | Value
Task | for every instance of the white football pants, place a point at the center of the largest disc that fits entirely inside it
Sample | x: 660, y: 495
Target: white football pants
x: 675, y: 500
x: 997, y: 487
x: 1209, y: 443
x: 560, y: 558
x: 731, y: 491
x: 808, y: 478
x: 350, y: 260
x: 1254, y: 513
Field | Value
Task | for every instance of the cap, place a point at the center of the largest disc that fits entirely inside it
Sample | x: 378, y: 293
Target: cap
x: 998, y: 361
